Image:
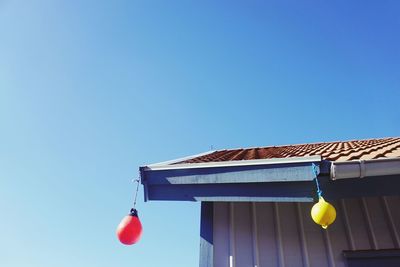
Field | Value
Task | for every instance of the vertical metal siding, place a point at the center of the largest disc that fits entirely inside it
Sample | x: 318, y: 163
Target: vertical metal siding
x: 283, y: 234
x: 267, y: 247
x: 243, y: 235
x: 357, y: 224
x: 254, y: 235
x: 394, y: 208
x: 221, y: 234
x: 389, y: 218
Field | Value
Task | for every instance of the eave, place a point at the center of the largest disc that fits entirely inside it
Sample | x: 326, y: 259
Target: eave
x: 288, y: 179
x: 278, y: 180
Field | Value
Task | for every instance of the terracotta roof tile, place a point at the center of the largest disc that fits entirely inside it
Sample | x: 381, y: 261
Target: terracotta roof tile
x: 333, y: 151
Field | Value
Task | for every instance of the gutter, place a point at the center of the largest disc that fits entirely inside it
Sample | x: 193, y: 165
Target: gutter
x: 365, y: 168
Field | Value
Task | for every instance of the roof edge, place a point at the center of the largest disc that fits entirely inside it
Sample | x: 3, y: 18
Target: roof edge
x: 169, y: 162
x: 167, y: 165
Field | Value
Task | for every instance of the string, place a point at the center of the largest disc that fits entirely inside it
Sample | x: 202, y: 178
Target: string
x: 319, y: 191
x: 136, y: 193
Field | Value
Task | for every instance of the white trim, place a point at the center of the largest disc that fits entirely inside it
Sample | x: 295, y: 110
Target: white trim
x: 169, y: 162
x: 167, y: 165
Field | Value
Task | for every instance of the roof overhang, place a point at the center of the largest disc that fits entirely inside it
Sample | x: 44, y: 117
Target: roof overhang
x: 281, y: 179
x: 287, y: 179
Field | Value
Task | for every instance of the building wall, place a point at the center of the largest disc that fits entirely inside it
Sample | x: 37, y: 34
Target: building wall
x: 284, y: 235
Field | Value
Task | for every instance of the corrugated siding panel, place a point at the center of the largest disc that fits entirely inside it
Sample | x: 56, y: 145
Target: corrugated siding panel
x: 221, y: 234
x: 316, y: 252
x: 337, y: 236
x: 357, y: 224
x: 243, y: 235
x: 283, y: 234
x: 290, y: 235
x: 379, y: 224
x: 391, y: 205
x: 267, y: 247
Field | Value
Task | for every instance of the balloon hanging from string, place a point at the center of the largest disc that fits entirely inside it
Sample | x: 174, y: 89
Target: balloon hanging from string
x: 129, y: 230
x: 322, y: 212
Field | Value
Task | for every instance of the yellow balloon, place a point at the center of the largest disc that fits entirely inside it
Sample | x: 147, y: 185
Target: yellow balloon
x: 323, y: 213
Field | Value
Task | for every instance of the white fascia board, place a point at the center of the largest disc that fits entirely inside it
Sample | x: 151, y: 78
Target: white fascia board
x: 169, y: 162
x: 234, y: 163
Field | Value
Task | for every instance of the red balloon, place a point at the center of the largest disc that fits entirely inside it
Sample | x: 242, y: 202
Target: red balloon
x: 130, y: 229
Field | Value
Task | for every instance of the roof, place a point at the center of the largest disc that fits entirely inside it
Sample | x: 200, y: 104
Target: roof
x: 279, y: 173
x: 333, y: 151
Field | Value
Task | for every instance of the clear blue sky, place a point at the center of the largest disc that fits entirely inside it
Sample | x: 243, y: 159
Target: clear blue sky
x: 91, y: 90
